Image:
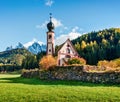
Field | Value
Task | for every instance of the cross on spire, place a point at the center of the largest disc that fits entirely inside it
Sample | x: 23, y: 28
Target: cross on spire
x: 50, y: 16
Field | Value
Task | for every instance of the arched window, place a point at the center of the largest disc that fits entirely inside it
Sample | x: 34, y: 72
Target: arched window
x: 68, y: 56
x: 68, y: 45
x: 68, y: 50
x: 50, y: 36
x: 49, y: 50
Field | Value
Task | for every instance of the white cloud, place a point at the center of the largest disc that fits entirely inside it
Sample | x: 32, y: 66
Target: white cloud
x: 75, y: 29
x: 72, y: 35
x: 26, y: 45
x: 66, y: 28
x: 49, y: 2
x: 57, y: 23
x: 42, y: 26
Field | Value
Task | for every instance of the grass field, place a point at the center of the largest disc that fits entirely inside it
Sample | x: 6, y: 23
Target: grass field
x: 13, y: 88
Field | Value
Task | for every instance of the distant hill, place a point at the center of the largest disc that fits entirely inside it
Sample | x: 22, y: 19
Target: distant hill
x: 100, y: 45
x: 14, y: 56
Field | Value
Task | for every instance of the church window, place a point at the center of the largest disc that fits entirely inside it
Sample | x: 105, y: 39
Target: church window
x: 50, y: 36
x: 49, y: 50
x: 58, y: 62
x: 68, y: 56
x: 68, y: 50
x: 68, y: 45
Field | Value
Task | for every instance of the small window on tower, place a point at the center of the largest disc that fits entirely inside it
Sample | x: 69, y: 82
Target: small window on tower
x: 49, y: 50
x: 50, y: 36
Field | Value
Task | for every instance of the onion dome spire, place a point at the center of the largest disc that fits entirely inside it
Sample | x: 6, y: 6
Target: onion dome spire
x: 50, y: 25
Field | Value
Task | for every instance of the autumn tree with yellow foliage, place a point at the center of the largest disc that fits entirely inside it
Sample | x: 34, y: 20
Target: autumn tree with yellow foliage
x: 47, y: 61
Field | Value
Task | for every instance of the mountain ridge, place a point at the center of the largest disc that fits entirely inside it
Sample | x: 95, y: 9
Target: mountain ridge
x: 34, y: 47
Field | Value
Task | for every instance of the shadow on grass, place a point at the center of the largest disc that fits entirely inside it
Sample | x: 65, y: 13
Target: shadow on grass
x: 33, y: 81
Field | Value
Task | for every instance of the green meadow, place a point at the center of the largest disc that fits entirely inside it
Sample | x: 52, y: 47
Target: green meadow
x: 13, y: 88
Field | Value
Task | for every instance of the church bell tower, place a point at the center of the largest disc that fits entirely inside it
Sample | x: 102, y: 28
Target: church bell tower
x: 50, y: 37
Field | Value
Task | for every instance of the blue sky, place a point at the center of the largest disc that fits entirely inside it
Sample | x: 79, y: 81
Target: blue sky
x: 25, y: 20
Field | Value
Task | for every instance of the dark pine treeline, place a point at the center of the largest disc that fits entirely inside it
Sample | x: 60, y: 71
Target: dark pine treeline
x: 101, y: 45
x: 32, y: 61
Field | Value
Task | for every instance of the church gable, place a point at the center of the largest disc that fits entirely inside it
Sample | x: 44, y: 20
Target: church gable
x: 68, y: 48
x: 67, y: 51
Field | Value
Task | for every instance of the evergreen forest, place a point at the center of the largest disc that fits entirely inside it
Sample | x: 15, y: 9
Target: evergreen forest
x: 100, y: 45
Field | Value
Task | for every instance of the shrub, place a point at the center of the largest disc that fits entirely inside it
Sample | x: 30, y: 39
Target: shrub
x: 117, y: 61
x: 111, y: 64
x: 102, y: 63
x: 47, y: 61
x: 9, y: 68
x: 80, y: 61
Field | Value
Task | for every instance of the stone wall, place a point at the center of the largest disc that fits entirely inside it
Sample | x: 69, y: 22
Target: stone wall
x: 74, y: 73
x: 30, y: 73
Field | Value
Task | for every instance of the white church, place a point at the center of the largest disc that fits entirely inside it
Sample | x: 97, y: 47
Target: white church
x: 65, y: 52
